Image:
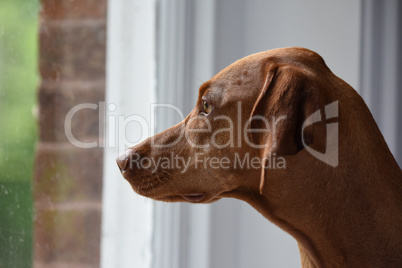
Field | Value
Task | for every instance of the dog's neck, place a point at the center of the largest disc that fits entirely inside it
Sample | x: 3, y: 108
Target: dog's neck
x: 336, y: 215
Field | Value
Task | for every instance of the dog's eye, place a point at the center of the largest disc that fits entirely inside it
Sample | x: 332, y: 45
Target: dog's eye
x: 207, y: 107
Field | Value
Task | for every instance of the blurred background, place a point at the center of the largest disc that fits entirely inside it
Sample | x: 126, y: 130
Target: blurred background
x: 64, y: 206
x: 18, y: 128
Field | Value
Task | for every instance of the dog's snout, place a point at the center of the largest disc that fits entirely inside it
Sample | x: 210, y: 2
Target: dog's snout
x: 123, y: 159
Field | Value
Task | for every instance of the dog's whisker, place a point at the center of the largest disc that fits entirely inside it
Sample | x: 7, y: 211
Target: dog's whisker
x: 170, y: 182
x: 164, y: 171
x: 160, y: 180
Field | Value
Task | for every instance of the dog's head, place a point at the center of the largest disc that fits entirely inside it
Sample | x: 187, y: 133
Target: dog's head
x: 246, y: 125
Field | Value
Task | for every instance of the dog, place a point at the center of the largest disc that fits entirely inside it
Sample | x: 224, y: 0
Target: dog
x: 320, y: 168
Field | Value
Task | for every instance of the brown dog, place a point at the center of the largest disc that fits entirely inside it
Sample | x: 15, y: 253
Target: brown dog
x: 265, y: 130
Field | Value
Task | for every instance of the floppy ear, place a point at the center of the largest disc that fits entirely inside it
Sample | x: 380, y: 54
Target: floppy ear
x: 287, y: 98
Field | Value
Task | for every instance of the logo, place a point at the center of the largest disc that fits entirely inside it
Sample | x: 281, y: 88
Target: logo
x: 330, y: 156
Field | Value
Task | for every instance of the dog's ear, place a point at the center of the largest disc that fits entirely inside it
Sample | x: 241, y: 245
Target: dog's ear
x: 287, y: 98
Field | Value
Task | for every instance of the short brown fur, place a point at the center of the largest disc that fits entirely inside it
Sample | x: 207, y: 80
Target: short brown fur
x: 344, y: 216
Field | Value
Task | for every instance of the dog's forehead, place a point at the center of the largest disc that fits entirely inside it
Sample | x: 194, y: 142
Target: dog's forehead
x: 243, y: 68
x: 241, y: 74
x: 247, y: 75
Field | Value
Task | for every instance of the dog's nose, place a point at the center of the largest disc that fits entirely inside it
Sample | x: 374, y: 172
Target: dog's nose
x: 123, y: 159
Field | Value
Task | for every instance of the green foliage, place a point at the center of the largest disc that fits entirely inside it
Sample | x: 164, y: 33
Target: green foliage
x: 15, y: 224
x: 18, y: 82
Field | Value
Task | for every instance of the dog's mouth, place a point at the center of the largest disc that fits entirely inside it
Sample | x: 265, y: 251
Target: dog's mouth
x: 149, y: 187
x: 193, y: 197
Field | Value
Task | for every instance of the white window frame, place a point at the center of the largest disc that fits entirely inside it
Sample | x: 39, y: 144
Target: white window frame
x: 159, y: 237
x: 127, y: 218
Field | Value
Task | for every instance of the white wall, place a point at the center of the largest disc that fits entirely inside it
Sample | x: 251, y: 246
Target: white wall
x: 331, y: 28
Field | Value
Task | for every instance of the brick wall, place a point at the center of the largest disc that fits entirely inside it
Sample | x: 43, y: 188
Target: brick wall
x: 68, y: 180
